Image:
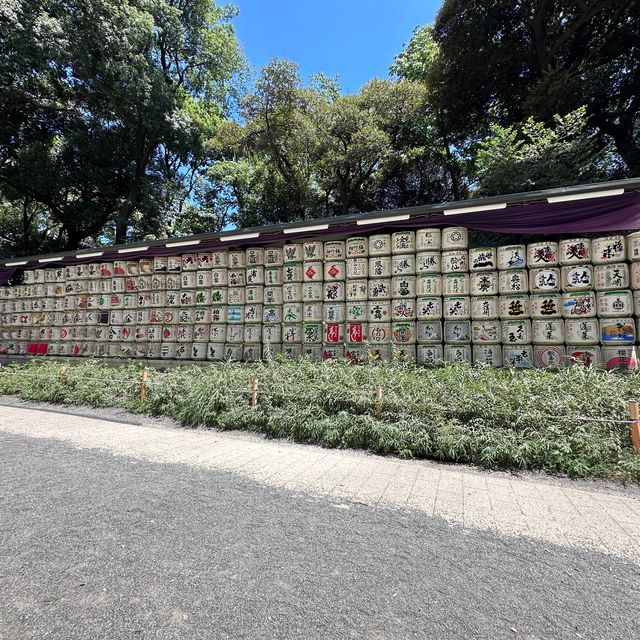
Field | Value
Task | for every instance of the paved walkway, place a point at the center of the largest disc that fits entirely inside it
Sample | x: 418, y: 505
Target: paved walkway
x: 597, y: 516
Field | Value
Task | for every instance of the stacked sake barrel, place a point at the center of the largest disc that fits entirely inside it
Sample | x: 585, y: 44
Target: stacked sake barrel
x: 420, y: 295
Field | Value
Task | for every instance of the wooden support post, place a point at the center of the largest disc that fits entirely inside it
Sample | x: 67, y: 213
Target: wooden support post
x: 143, y: 385
x: 62, y: 376
x: 634, y: 425
x: 254, y: 393
x: 378, y: 402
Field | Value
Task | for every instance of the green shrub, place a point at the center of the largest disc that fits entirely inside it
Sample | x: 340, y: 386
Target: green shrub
x: 573, y: 422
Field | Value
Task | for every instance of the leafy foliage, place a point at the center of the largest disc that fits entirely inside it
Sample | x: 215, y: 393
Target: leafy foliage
x: 572, y: 422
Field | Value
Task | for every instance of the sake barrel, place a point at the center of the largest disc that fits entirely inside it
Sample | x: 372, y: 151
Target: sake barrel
x: 486, y: 331
x: 235, y: 313
x: 292, y: 312
x: 516, y: 331
x: 620, y: 358
x: 334, y: 270
x: 636, y: 303
x: 617, y: 331
x: 634, y: 275
x: 255, y: 294
x: 380, y: 244
x: 312, y: 291
x: 334, y: 251
x: 189, y: 261
x: 587, y: 356
x: 428, y: 262
x: 577, y: 277
x: 115, y: 317
x: 334, y: 291
x: 485, y: 307
x: 273, y: 257
x: 313, y: 250
x: 185, y: 315
x: 574, y: 251
x: 633, y: 246
x: 357, y: 268
x: 252, y: 313
x: 205, y: 261
x: 237, y: 260
x: 615, y: 304
x: 457, y: 331
x: 174, y: 264
x: 608, y: 250
x: 202, y: 314
x: 312, y: 332
x: 254, y: 257
x: 233, y: 352
x: 254, y: 275
x: 201, y: 332
x: 403, y: 309
x: 379, y: 332
x: 215, y: 351
x: 271, y: 314
x: 312, y: 352
x: 549, y: 356
x: 455, y: 261
x: 273, y: 276
x: 293, y: 252
x: 218, y: 313
x: 403, y: 287
x: 512, y: 256
x: 380, y: 289
x: 356, y: 332
x: 456, y: 284
x: 234, y: 333
x: 513, y: 281
x: 514, y: 306
x: 517, y: 356
x: 548, y: 331
x: 198, y: 351
x: 545, y: 305
x: 61, y: 272
x: 168, y: 350
x: 456, y: 308
x: 272, y: 333
x: 187, y: 298
x: 251, y: 352
x: 334, y: 333
x: 332, y: 352
x: 292, y: 292
x: 312, y: 271
x: 545, y: 280
x: 334, y: 312
x: 454, y: 238
x: 611, y: 276
x: 457, y: 353
x: 188, y: 280
x: 184, y: 333
x: 487, y: 355
x: 291, y: 333
x: 542, y: 254
x: 582, y: 331
x: 483, y: 259
x: 291, y: 272
x: 380, y: 267
x: 219, y: 277
x: 429, y: 308
x: 237, y: 277
x: 357, y: 290
x: 219, y: 260
x: 429, y: 355
x: 483, y: 283
x: 579, y: 304
x: 357, y: 247
x: 403, y: 242
x: 427, y: 285
x: 403, y: 264
x: 403, y: 333
x: 430, y: 331
x: 429, y: 239
x: 273, y: 295
x: 219, y: 295
x: 379, y: 310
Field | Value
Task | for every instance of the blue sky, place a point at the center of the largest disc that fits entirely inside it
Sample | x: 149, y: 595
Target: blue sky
x: 356, y: 39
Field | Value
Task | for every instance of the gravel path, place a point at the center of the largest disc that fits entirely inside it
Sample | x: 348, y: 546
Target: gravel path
x: 95, y: 545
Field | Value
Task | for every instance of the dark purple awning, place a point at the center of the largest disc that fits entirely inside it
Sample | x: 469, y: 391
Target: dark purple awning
x: 615, y: 213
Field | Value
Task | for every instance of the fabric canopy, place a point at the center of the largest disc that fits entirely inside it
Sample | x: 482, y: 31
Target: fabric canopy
x: 614, y: 213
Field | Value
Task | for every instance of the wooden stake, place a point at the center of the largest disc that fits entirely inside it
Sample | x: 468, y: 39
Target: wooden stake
x: 61, y: 376
x: 143, y: 385
x: 378, y: 402
x: 634, y: 425
x: 254, y: 393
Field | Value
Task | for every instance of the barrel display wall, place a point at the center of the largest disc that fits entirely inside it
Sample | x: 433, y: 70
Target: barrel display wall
x: 417, y: 295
